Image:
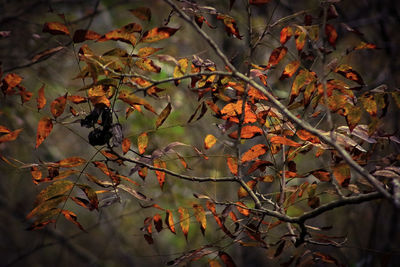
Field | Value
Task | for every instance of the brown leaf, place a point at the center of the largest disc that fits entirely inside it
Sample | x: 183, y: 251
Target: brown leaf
x: 303, y: 78
x: 157, y: 34
x: 58, y: 105
x: 126, y: 145
x: 259, y: 165
x: 348, y: 72
x: 41, y: 99
x: 143, y: 140
x: 147, y: 51
x: 44, y: 128
x: 163, y: 115
x: 209, y: 141
x: 142, y: 13
x: 254, y: 152
x: 157, y: 222
x: 83, y: 35
x: 55, y: 28
x: 76, y: 99
x: 71, y: 162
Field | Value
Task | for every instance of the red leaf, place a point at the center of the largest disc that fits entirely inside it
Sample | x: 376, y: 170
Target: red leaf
x: 55, y: 28
x: 286, y: 33
x: 10, y: 136
x: 331, y: 34
x: 58, y: 105
x: 44, y: 128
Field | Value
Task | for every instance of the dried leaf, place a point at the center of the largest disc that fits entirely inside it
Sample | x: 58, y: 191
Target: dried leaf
x: 184, y: 220
x: 147, y: 51
x: 300, y: 38
x: 286, y: 33
x: 306, y: 136
x: 169, y: 221
x: 41, y: 99
x: 133, y: 100
x: 209, y: 141
x: 180, y: 69
x: 369, y: 104
x: 276, y: 56
x: 254, y: 152
x: 192, y: 256
x: 10, y: 136
x: 55, y: 28
x: 230, y: 25
x: 125, y: 34
x: 303, y: 78
x: 341, y: 172
x: 147, y: 65
x: 157, y: 222
x: 58, y: 188
x: 163, y: 115
x: 331, y: 34
x: 142, y: 141
x: 44, y: 128
x: 58, y: 105
x: 157, y: 34
x: 71, y: 162
x: 290, y: 69
x: 248, y: 131
x: 83, y: 35
x: 348, y: 72
x: 200, y: 217
x: 126, y: 145
x: 158, y: 163
x: 283, y: 141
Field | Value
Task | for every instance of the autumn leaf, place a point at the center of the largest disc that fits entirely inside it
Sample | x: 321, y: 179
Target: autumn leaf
x: 226, y: 259
x: 147, y: 51
x: 364, y: 45
x: 283, y: 141
x: 286, y: 33
x: 254, y: 152
x: 341, y: 172
x: 163, y: 115
x: 232, y: 165
x: 142, y: 142
x: 91, y: 195
x: 242, y: 191
x: 303, y: 78
x: 369, y: 103
x: 200, y: 217
x: 10, y: 81
x: 44, y: 128
x: 126, y: 144
x: 147, y: 65
x: 300, y: 38
x: 322, y: 175
x: 353, y: 115
x: 76, y: 99
x: 169, y: 221
x: 41, y: 99
x: 348, y: 72
x: 158, y: 163
x: 248, y: 131
x: 157, y: 222
x: 58, y: 188
x: 290, y: 69
x: 306, y: 136
x: 209, y: 141
x: 276, y: 56
x: 142, y: 13
x: 55, y: 28
x: 71, y: 162
x: 331, y: 34
x: 230, y: 25
x: 132, y: 100
x: 184, y: 220
x: 259, y: 165
x: 58, y: 105
x: 83, y: 35
x: 125, y: 34
x: 180, y: 69
x: 158, y: 34
x: 11, y: 136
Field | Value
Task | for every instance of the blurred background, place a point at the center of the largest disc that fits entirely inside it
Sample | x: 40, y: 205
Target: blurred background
x: 113, y: 236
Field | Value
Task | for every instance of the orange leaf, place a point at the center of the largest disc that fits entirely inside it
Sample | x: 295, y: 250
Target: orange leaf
x: 143, y: 140
x: 242, y: 191
x: 163, y: 115
x: 209, y: 141
x: 180, y: 69
x: 83, y: 35
x: 290, y: 69
x: 36, y: 174
x: 348, y: 72
x: 158, y: 163
x: 125, y: 34
x: 200, y: 217
x: 44, y: 128
x: 71, y: 162
x: 286, y: 33
x: 232, y: 165
x: 184, y: 220
x: 10, y: 81
x: 276, y: 56
x: 230, y: 25
x: 157, y: 34
x: 341, y: 172
x: 10, y: 136
x: 243, y: 211
x: 126, y: 144
x: 41, y: 99
x: 259, y: 164
x: 306, y: 136
x: 142, y: 13
x: 77, y: 99
x: 58, y: 105
x: 254, y: 152
x: 283, y: 141
x: 132, y: 100
x: 247, y: 132
x: 4, y: 129
x: 331, y: 34
x: 147, y: 65
x: 364, y: 45
x: 214, y: 263
x: 147, y: 51
x: 70, y: 216
x: 169, y: 220
x: 157, y: 222
x: 321, y: 175
x: 55, y: 28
